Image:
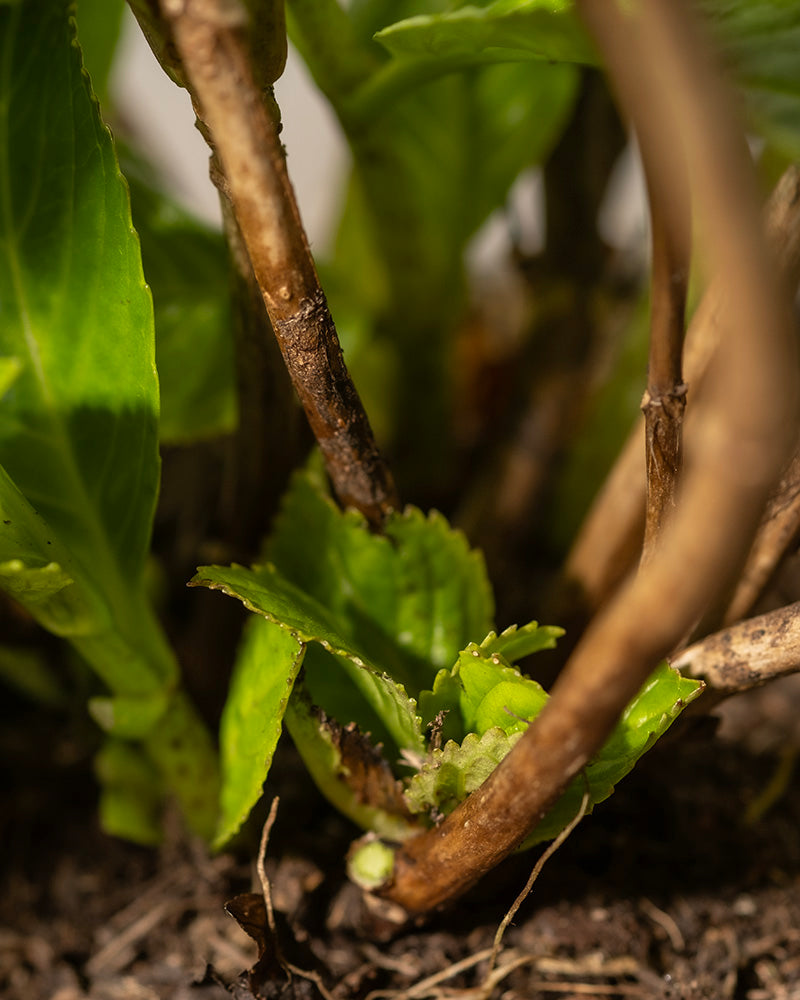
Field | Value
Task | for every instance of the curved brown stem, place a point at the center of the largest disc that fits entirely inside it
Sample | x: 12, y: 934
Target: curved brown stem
x: 211, y: 39
x: 654, y: 57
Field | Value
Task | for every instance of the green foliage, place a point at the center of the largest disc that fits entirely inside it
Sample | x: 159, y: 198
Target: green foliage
x: 496, y: 705
x: 418, y: 193
x: 186, y: 266
x: 99, y: 23
x: 380, y: 614
x: 379, y: 652
x: 266, y: 668
x: 79, y: 461
x: 759, y: 41
x: 505, y: 29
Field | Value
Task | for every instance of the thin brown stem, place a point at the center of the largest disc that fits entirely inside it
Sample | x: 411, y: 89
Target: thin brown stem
x: 746, y: 655
x: 665, y: 397
x: 777, y: 533
x: 211, y: 38
x: 609, y: 542
x: 654, y: 57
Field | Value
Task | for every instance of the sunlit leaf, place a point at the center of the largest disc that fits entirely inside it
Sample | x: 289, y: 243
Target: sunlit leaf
x: 264, y: 590
x: 410, y: 599
x: 266, y: 667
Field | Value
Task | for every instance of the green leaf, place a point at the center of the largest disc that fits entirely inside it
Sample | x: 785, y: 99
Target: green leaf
x: 450, y: 774
x: 267, y: 664
x: 28, y: 671
x: 132, y: 795
x: 38, y: 573
x: 410, y: 599
x: 759, y: 41
x: 129, y: 717
x: 646, y: 718
x: 78, y: 426
x: 99, y: 26
x: 540, y: 29
x: 264, y: 590
x: 483, y: 691
x: 348, y: 770
x: 422, y: 191
x: 180, y: 746
x: 9, y: 369
x: 79, y: 459
x: 186, y: 265
x: 516, y: 643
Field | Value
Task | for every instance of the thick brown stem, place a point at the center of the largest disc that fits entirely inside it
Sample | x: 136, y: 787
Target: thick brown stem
x: 665, y: 398
x: 212, y: 41
x: 654, y: 57
x: 609, y: 542
x: 746, y: 655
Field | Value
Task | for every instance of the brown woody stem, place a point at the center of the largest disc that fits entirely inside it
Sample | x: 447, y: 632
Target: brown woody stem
x: 746, y: 655
x: 211, y: 38
x: 654, y: 58
x: 665, y: 398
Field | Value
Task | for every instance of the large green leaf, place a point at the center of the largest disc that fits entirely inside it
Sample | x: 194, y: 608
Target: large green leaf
x: 79, y: 415
x: 266, y: 667
x: 186, y: 265
x: 99, y: 24
x: 411, y: 599
x: 78, y: 426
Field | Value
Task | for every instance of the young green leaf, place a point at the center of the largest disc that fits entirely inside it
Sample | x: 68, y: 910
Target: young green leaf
x: 264, y: 590
x: 483, y: 691
x: 267, y: 664
x: 410, y: 599
x: 515, y: 643
x: 453, y: 772
x: 500, y: 713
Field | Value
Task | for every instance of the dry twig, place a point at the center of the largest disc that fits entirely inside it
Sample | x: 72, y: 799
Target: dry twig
x: 535, y: 873
x: 655, y: 57
x: 746, y: 655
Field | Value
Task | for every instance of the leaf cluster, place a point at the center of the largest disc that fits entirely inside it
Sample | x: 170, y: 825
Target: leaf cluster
x: 352, y: 646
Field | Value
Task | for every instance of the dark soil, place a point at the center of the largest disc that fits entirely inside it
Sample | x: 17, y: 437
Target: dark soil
x: 665, y: 892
